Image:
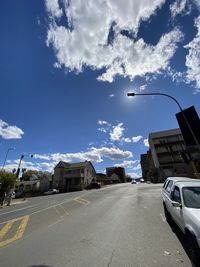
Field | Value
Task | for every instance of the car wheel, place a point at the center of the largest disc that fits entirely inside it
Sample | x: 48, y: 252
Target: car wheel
x: 193, y: 249
x: 167, y: 215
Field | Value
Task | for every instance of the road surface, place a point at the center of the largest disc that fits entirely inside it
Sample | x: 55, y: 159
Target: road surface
x: 121, y: 225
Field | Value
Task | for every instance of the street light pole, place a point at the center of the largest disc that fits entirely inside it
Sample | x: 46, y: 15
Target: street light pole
x: 182, y: 111
x: 11, y: 148
x: 169, y: 96
x: 18, y: 168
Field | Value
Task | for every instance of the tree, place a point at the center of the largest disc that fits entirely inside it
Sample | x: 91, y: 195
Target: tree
x: 35, y: 174
x: 7, y: 181
x: 30, y: 174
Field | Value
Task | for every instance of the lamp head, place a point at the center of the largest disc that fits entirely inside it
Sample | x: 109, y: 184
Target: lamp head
x: 130, y: 94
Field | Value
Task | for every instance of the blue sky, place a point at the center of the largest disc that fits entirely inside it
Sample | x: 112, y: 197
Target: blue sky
x: 65, y: 70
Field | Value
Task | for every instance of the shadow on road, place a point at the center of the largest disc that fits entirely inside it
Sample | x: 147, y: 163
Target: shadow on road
x: 40, y: 265
x: 180, y: 236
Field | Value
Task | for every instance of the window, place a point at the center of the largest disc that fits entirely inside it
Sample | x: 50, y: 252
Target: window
x: 191, y: 196
x: 165, y: 184
x: 177, y: 195
x: 169, y: 186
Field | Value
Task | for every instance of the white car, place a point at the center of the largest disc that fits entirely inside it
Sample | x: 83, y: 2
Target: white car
x: 181, y: 201
x: 51, y: 191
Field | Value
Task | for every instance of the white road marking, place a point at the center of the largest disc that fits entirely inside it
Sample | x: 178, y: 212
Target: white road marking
x: 16, y: 210
x: 162, y: 217
x: 50, y: 225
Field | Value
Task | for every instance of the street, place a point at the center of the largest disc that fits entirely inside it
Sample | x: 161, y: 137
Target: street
x: 121, y: 225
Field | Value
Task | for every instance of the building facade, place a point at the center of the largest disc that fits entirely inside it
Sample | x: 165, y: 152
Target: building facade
x: 73, y: 176
x: 167, y: 149
x: 103, y: 179
x: 116, y: 174
x: 144, y: 162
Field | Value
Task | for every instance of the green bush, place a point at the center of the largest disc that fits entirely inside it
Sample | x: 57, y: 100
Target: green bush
x: 7, y: 181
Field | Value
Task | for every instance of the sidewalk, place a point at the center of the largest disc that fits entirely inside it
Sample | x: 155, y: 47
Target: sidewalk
x: 14, y: 202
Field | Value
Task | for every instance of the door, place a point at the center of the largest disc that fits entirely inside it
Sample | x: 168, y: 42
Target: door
x: 67, y: 185
x: 177, y: 212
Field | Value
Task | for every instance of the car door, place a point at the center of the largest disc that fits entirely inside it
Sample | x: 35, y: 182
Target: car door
x: 167, y: 191
x: 177, y: 212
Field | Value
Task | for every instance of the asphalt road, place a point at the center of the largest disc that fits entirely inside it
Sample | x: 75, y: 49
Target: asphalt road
x: 121, y: 225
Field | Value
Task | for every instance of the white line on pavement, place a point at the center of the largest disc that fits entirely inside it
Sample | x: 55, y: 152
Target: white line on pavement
x: 162, y: 217
x: 16, y: 210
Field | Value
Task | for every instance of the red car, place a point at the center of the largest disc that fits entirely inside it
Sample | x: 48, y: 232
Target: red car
x: 93, y: 186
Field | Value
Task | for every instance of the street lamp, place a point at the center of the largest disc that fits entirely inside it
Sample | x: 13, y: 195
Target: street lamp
x: 10, y: 148
x: 18, y: 168
x: 184, y: 117
x: 169, y: 96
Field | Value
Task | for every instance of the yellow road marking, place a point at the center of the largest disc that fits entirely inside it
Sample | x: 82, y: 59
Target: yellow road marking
x: 20, y: 230
x: 5, y: 229
x: 58, y: 212
x: 81, y: 200
x: 66, y: 212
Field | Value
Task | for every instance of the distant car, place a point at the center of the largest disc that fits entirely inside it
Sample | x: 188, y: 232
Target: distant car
x: 93, y: 186
x: 13, y: 194
x: 51, y: 191
x: 133, y: 182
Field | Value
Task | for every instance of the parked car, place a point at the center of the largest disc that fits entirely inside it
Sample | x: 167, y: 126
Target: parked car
x: 51, y: 191
x: 93, y: 186
x: 181, y: 202
x: 133, y: 182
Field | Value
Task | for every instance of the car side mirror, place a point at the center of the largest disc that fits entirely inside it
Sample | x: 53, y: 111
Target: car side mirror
x: 176, y: 204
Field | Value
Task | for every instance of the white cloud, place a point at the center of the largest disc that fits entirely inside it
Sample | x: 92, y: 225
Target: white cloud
x: 53, y: 8
x: 117, y: 132
x: 146, y: 142
x: 138, y: 167
x: 135, y: 174
x: 127, y: 164
x: 178, y: 7
x: 10, y: 132
x: 45, y: 157
x: 136, y: 139
x: 105, y: 126
x: 111, y: 95
x: 193, y: 57
x: 85, y: 43
x: 142, y: 87
x: 102, y: 130
x: 93, y: 154
x: 197, y: 2
x: 127, y: 140
x: 176, y: 76
x: 39, y: 166
x: 101, y: 122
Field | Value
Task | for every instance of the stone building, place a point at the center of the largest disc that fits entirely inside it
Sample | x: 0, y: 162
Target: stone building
x: 73, y: 176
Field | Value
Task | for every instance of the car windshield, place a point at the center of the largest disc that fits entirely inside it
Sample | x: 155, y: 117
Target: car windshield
x: 191, y: 196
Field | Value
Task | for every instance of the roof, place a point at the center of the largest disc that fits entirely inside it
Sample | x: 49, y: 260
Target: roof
x: 67, y: 165
x: 181, y: 178
x: 189, y: 183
